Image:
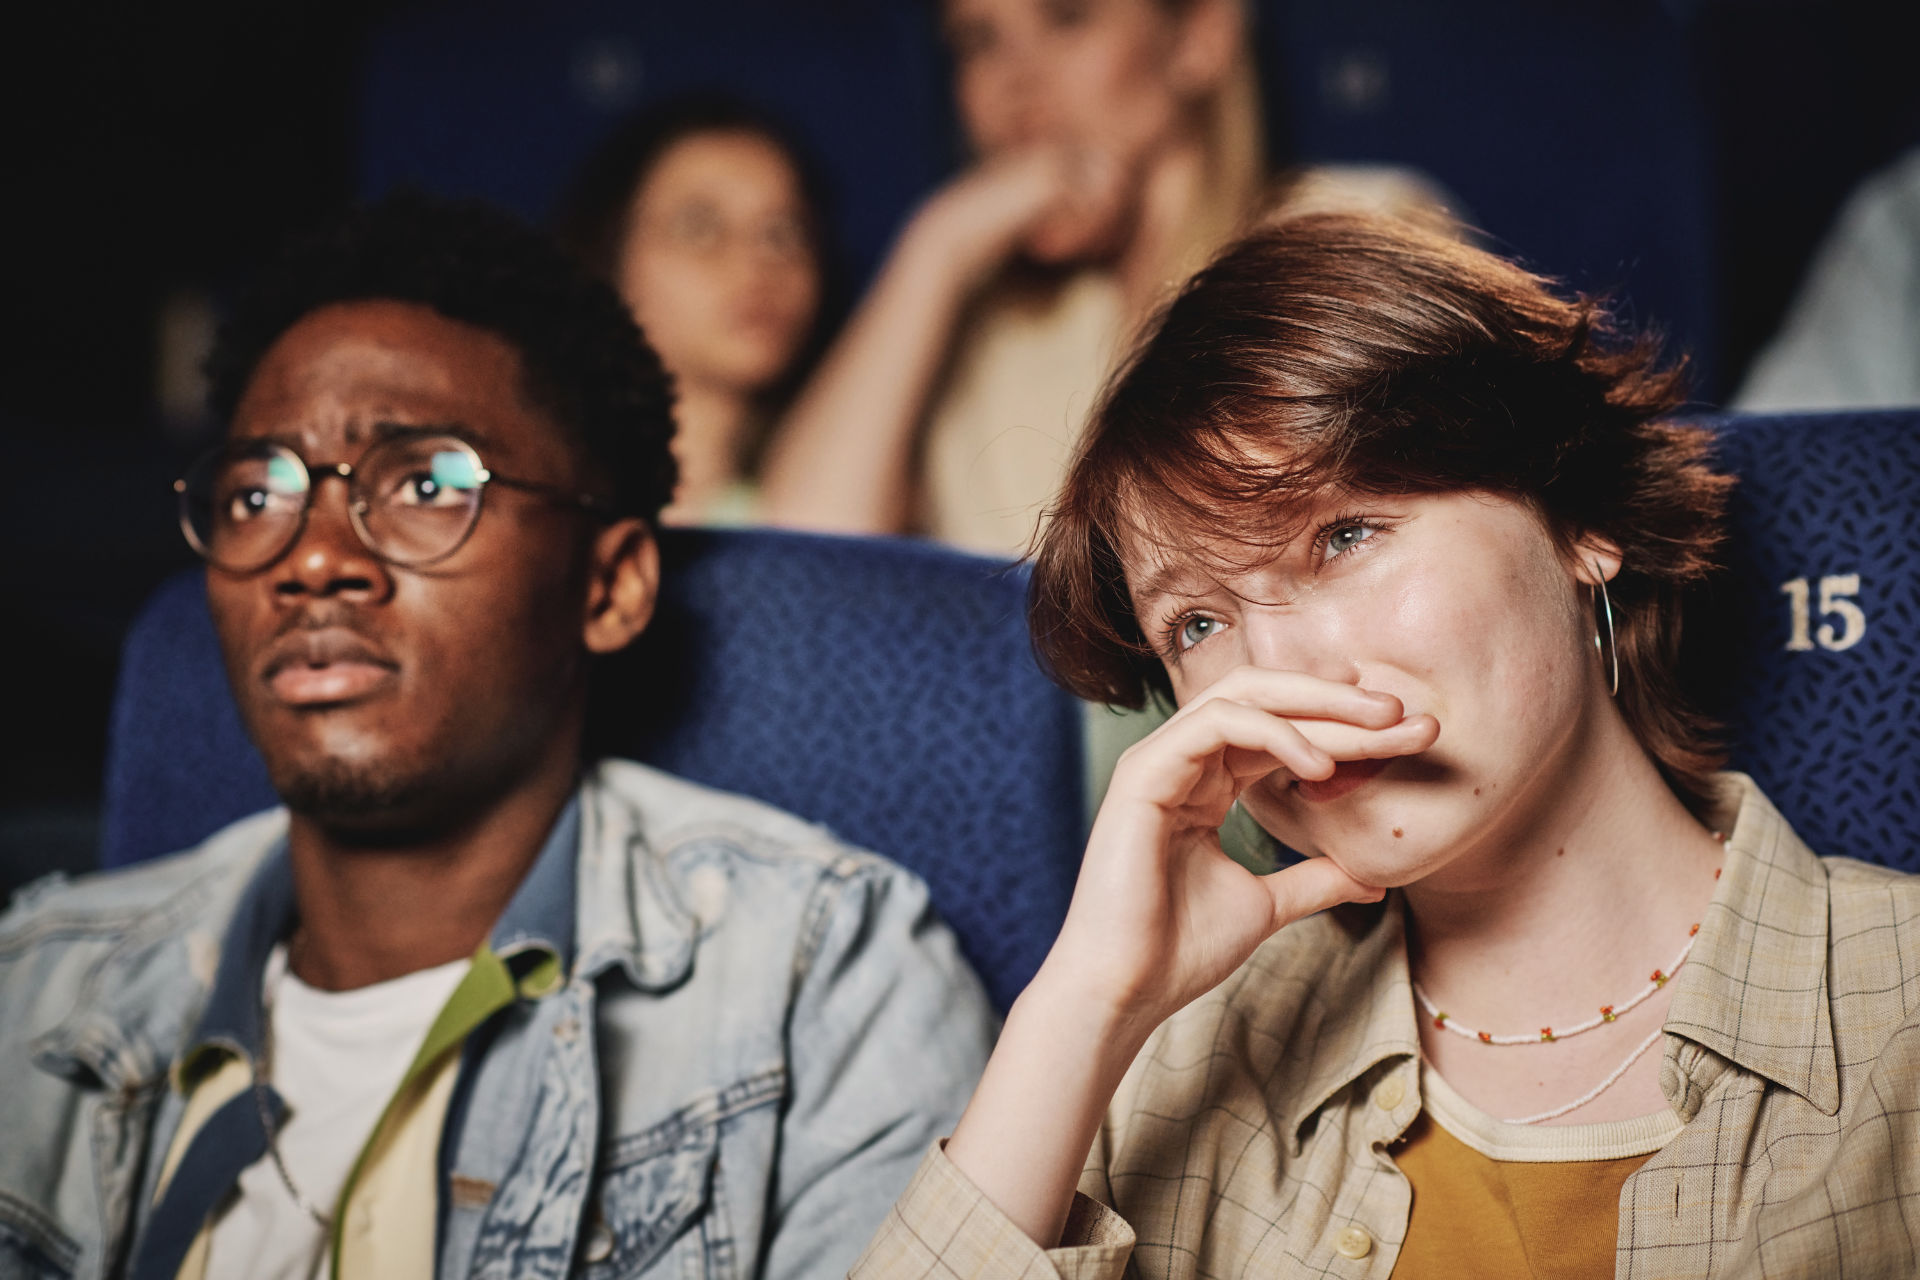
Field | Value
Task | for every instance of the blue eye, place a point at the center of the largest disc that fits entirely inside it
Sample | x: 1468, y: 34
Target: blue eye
x: 1193, y: 630
x: 1343, y: 538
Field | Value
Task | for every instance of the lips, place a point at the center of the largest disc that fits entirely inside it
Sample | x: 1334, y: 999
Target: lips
x: 326, y: 668
x: 1348, y: 776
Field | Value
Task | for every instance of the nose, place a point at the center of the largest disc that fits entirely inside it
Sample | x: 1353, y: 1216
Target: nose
x: 757, y: 257
x: 329, y: 560
x: 1301, y: 637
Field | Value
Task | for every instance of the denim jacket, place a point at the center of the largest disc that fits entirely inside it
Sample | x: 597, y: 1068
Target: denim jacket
x: 760, y: 1032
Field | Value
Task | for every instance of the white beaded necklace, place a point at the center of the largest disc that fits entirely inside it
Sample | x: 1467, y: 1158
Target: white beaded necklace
x: 1608, y: 1013
x: 1548, y: 1035
x: 1602, y: 1087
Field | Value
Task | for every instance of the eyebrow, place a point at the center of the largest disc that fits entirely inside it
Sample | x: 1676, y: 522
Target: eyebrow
x: 1174, y: 580
x: 385, y: 430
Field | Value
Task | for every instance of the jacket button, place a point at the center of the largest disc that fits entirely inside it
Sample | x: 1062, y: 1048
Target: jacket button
x: 1390, y: 1093
x: 599, y: 1243
x: 1353, y: 1242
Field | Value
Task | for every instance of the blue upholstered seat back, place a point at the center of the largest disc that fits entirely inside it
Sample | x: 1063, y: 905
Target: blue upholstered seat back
x: 1821, y: 703
x: 884, y: 688
x: 1811, y: 643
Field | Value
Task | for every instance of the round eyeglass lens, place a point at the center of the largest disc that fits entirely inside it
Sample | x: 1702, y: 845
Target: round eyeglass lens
x: 241, y: 506
x: 418, y: 498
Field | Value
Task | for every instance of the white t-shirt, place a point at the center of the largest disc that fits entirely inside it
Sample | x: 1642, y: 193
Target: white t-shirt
x: 336, y: 1059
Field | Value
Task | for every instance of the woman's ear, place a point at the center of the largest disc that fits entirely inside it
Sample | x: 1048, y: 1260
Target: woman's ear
x: 1211, y: 33
x: 623, y: 582
x: 1595, y: 560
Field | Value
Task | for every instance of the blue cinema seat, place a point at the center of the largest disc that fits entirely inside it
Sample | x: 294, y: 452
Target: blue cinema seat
x: 885, y: 688
x: 1810, y: 644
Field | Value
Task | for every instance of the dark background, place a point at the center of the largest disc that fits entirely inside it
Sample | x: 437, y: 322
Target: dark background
x: 1686, y: 154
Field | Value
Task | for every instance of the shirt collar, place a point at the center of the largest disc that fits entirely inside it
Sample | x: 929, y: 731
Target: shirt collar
x: 231, y: 1023
x: 534, y: 936
x: 1754, y: 990
x: 1366, y: 999
x: 633, y: 913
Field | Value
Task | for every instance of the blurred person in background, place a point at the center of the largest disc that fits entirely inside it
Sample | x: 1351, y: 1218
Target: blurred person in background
x: 703, y: 214
x: 1117, y: 144
x: 1851, y: 339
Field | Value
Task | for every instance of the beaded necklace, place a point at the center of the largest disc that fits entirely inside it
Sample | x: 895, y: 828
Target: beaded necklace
x: 1608, y: 1013
x: 1548, y: 1035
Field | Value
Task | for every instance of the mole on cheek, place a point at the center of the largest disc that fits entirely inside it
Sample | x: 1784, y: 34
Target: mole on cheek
x: 1397, y: 833
x: 1476, y: 791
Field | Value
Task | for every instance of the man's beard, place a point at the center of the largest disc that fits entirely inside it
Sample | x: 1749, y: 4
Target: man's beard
x: 351, y: 796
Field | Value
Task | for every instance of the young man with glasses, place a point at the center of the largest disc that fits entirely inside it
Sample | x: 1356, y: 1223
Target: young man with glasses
x: 470, y: 1004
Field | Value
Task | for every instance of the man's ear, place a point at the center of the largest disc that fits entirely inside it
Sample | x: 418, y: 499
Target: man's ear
x: 1210, y: 38
x: 623, y: 582
x: 1595, y: 559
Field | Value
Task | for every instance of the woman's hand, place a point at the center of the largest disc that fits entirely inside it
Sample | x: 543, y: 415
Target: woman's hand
x: 972, y: 226
x: 843, y: 460
x: 1160, y: 915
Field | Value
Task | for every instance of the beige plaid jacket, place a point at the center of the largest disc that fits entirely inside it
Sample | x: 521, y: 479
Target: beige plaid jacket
x: 1251, y: 1137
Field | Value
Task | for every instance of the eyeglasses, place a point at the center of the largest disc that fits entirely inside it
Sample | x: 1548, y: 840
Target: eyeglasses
x: 413, y: 499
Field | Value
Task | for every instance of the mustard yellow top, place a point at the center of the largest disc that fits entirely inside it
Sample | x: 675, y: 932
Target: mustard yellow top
x: 1498, y: 1199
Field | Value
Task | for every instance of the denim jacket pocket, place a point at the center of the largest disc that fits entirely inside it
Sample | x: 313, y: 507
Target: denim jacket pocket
x: 31, y: 1246
x: 652, y: 1205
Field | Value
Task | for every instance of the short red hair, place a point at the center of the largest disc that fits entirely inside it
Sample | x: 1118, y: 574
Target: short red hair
x: 1360, y: 353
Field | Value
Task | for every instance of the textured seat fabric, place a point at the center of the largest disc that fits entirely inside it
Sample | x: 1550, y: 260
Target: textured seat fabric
x: 1810, y: 644
x: 885, y: 688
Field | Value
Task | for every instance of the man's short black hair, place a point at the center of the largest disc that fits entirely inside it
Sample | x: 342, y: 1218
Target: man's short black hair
x: 585, y: 362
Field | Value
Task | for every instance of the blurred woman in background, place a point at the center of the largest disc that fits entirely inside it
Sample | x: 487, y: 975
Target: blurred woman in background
x: 702, y: 213
x: 1118, y: 143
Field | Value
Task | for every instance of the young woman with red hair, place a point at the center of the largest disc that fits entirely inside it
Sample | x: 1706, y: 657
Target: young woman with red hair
x: 1402, y: 532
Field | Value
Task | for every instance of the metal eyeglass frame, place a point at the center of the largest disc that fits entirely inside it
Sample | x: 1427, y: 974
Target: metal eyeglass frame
x: 357, y: 503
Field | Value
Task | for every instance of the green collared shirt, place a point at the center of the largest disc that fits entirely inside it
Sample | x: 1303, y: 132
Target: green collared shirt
x: 1253, y: 1134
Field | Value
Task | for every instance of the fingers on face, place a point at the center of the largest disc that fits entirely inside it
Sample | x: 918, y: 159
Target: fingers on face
x: 1244, y: 740
x: 1351, y: 742
x: 1299, y: 695
x: 1313, y: 885
x: 1255, y: 721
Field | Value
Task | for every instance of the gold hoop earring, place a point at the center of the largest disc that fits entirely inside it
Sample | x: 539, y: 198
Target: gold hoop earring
x: 1603, y: 608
